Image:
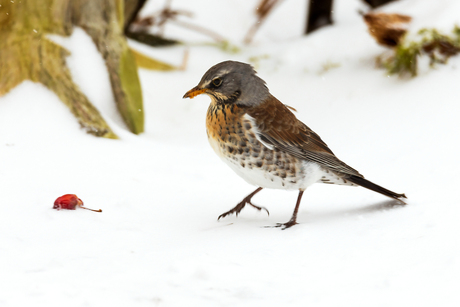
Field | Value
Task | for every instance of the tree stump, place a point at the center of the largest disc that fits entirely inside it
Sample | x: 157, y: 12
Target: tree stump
x: 27, y: 54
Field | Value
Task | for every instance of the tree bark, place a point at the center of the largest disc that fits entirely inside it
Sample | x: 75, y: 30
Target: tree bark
x: 107, y: 34
x: 27, y: 54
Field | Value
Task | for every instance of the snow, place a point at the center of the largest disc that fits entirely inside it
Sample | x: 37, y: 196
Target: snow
x: 158, y: 242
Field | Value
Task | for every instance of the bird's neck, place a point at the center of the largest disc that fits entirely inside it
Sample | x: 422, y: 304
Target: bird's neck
x: 220, y: 99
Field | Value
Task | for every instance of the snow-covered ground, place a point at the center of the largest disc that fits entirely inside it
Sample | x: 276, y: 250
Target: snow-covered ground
x: 158, y: 242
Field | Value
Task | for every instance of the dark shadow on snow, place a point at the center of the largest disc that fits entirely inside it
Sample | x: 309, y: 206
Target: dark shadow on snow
x: 383, y: 206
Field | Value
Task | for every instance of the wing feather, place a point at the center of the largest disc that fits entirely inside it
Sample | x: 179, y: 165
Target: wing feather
x: 277, y: 126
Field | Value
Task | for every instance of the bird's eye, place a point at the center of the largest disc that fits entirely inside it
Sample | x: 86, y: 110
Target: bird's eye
x: 217, y: 82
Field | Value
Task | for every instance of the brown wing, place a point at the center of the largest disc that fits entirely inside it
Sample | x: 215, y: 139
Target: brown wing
x: 278, y: 127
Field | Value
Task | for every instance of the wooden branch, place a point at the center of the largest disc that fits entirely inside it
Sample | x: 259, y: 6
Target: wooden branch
x: 263, y: 9
x: 131, y: 10
x: 217, y: 37
x: 150, y: 39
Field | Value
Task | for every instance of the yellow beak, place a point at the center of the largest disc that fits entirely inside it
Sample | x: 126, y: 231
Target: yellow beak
x: 194, y: 92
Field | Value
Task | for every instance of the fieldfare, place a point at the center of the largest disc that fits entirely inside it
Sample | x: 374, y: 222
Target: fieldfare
x: 262, y: 140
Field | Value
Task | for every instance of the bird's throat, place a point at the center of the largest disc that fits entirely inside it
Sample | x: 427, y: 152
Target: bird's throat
x: 221, y: 99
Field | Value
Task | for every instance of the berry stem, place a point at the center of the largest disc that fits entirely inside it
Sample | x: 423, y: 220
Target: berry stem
x: 99, y: 210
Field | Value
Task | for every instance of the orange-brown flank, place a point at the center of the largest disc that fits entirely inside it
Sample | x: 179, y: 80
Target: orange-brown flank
x: 231, y: 137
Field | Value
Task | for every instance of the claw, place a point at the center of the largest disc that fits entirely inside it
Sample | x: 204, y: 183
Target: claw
x: 286, y: 225
x: 259, y: 208
x: 236, y: 210
x: 283, y: 226
x: 225, y: 214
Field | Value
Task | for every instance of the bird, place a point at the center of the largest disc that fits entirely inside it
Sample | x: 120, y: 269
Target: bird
x: 262, y: 140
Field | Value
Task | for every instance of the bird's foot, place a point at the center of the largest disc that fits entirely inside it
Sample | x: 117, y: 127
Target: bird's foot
x: 287, y: 225
x: 237, y: 209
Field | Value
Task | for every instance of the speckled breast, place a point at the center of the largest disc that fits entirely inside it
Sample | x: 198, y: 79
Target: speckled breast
x: 233, y: 139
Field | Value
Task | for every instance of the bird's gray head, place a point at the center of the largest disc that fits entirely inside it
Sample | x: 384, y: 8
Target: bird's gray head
x: 231, y: 82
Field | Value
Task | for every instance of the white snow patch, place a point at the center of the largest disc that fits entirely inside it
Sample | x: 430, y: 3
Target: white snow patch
x: 157, y: 241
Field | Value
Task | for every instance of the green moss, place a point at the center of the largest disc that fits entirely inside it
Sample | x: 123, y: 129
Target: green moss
x: 327, y: 66
x: 404, y: 60
x: 456, y: 33
x: 225, y: 46
x: 431, y: 43
x: 228, y: 47
x: 255, y: 60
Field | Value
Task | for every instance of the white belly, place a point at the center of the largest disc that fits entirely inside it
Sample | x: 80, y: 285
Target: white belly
x: 305, y: 175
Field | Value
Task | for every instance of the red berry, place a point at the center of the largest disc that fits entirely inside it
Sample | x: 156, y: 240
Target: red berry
x: 67, y: 201
x: 70, y: 202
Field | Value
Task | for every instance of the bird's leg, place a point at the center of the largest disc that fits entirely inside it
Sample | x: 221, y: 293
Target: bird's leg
x: 293, y: 219
x: 240, y: 206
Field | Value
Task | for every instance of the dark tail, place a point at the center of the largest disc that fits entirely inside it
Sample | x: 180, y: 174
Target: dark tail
x: 372, y: 186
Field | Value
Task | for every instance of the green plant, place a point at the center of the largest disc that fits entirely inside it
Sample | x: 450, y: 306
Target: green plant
x: 438, y: 47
